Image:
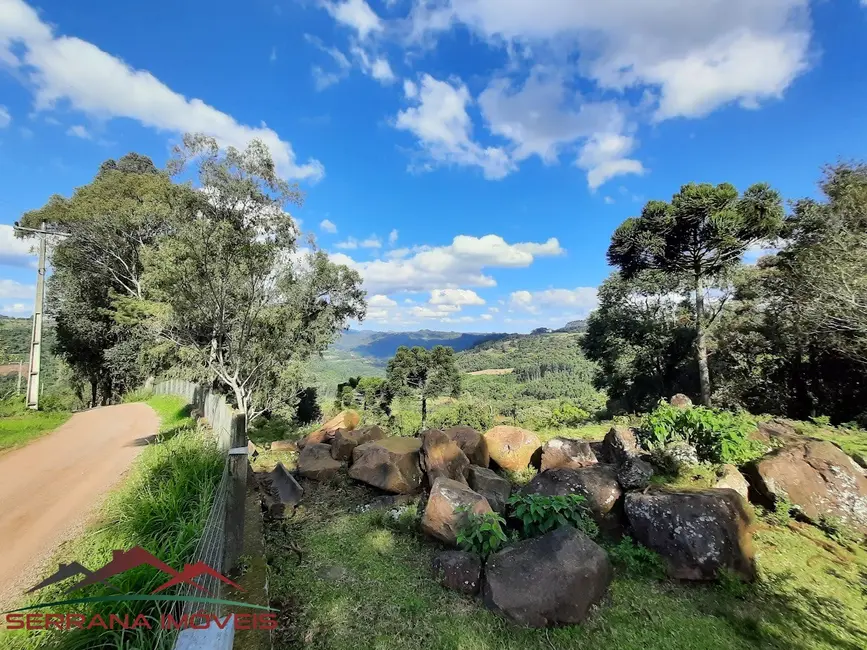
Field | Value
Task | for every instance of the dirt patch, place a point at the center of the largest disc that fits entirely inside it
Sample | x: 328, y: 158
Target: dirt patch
x: 493, y: 371
x: 50, y: 488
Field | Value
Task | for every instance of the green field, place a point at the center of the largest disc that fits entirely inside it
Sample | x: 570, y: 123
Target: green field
x: 18, y: 425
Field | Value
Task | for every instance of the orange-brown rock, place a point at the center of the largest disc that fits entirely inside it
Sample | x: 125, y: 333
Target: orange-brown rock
x: 391, y: 464
x: 325, y: 434
x: 512, y: 448
x: 448, y: 506
x: 472, y: 443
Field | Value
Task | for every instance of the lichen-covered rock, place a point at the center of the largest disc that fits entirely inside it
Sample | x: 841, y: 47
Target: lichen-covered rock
x: 490, y: 485
x: 472, y: 443
x: 675, y: 457
x: 731, y: 479
x: 346, y: 440
x: 512, y: 448
x: 440, y: 456
x: 390, y: 464
x: 620, y: 443
x: 597, y: 484
x: 816, y: 476
x: 458, y: 570
x: 634, y: 474
x: 315, y: 462
x: 680, y: 401
x: 325, y: 434
x: 565, y: 453
x: 698, y: 533
x: 447, y: 508
x: 550, y: 580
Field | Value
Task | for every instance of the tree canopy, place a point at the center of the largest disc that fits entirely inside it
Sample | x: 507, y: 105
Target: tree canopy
x: 426, y: 373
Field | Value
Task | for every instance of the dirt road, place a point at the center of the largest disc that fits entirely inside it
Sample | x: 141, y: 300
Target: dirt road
x: 49, y: 488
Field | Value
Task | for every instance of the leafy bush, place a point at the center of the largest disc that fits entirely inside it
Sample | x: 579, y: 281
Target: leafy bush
x: 539, y: 513
x: 481, y: 533
x: 821, y: 420
x: 138, y: 395
x: 636, y: 559
x: 464, y: 412
x: 718, y: 436
x: 568, y: 415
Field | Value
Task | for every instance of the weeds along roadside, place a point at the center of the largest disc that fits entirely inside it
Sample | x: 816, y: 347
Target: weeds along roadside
x: 162, y: 506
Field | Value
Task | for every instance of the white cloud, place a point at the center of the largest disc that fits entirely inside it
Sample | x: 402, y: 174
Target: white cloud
x: 96, y: 83
x: 13, y: 251
x: 14, y: 289
x: 580, y: 301
x: 694, y: 56
x: 323, y: 79
x: 444, y: 129
x: 458, y: 297
x: 392, y: 237
x: 605, y: 156
x: 486, y: 317
x: 609, y: 201
x: 5, y: 117
x: 377, y: 67
x: 17, y: 309
x: 326, y: 225
x: 348, y: 245
x: 79, y: 131
x: 379, y: 301
x: 461, y: 264
x: 356, y: 14
x: 381, y: 71
x: 371, y: 242
x: 352, y: 243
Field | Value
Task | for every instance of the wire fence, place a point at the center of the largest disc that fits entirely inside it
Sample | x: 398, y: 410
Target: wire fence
x: 220, y: 544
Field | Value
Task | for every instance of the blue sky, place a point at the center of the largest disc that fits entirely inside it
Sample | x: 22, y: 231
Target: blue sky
x: 469, y: 157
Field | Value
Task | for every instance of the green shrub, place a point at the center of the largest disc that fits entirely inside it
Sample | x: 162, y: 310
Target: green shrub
x: 781, y: 515
x: 636, y: 559
x: 138, y: 395
x: 821, y: 420
x: 467, y: 413
x: 481, y: 533
x: 567, y: 415
x: 539, y: 513
x: 718, y: 436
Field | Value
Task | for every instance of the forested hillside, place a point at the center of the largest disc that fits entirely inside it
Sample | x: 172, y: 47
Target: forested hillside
x: 382, y: 345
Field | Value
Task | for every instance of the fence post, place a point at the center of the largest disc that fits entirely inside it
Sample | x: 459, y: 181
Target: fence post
x: 237, y: 490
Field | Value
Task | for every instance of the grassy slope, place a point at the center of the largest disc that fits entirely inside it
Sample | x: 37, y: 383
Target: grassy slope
x: 361, y: 585
x: 162, y: 506
x: 19, y: 429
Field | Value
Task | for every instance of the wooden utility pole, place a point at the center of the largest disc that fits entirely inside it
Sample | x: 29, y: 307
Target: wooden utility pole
x: 33, y: 376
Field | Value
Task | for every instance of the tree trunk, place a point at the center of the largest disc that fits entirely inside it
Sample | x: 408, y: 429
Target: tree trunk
x: 423, y: 411
x: 93, y: 388
x: 700, y: 343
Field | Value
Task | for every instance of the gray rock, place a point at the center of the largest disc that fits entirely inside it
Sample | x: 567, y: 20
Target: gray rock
x: 458, y: 570
x: 816, y: 476
x: 697, y: 533
x: 550, y: 580
x: 565, y: 453
x: 620, y: 443
x: 447, y: 508
x: 390, y: 464
x: 680, y: 401
x: 597, y: 484
x: 492, y: 486
x: 282, y: 491
x: 315, y: 462
x: 731, y: 479
x: 634, y: 474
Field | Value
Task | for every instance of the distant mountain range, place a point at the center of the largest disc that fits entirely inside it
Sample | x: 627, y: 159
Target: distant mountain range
x: 383, y: 345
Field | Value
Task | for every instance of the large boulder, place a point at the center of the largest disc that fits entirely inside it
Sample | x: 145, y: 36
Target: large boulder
x: 490, y: 485
x: 729, y: 478
x: 391, y: 464
x: 816, y: 476
x: 680, y: 401
x: 634, y: 474
x: 447, y: 508
x: 775, y: 432
x: 549, y: 580
x: 698, y: 533
x: 620, y: 443
x: 597, y: 484
x: 315, y: 462
x: 565, y: 453
x: 347, y: 420
x: 440, y: 456
x: 472, y: 443
x: 512, y: 448
x: 458, y: 570
x: 346, y: 440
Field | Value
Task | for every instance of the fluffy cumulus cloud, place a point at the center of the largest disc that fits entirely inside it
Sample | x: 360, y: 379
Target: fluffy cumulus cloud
x: 458, y: 297
x: 439, y: 119
x: 578, y: 302
x: 460, y: 265
x: 13, y: 251
x: 637, y: 62
x: 65, y: 68
x: 11, y: 289
x: 17, y: 309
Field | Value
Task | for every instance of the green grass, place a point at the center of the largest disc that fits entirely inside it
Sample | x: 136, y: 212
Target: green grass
x: 852, y: 441
x: 162, y: 506
x: 19, y: 425
x: 362, y: 585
